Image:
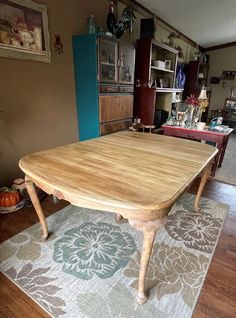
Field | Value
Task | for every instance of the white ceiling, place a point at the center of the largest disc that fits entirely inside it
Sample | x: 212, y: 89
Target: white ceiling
x: 207, y: 22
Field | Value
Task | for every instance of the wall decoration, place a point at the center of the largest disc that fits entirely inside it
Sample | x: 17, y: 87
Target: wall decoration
x: 215, y: 80
x: 228, y: 75
x: 172, y: 43
x: 24, y: 30
x: 172, y: 38
x: 117, y: 28
x: 58, y: 46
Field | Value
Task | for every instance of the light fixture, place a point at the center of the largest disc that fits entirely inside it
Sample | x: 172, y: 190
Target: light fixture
x: 203, y: 93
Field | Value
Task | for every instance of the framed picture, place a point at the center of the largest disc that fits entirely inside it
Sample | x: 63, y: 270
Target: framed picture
x: 215, y: 80
x: 168, y: 64
x: 24, y: 30
x: 228, y: 75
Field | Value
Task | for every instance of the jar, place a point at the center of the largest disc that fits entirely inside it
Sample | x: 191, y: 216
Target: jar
x: 91, y: 24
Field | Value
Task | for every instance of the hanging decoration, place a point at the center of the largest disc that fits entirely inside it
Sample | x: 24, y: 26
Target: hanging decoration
x: 117, y: 28
x: 172, y: 42
x: 58, y: 46
x: 172, y: 38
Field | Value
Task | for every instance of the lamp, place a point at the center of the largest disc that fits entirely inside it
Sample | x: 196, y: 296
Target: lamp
x: 203, y: 93
x: 203, y: 102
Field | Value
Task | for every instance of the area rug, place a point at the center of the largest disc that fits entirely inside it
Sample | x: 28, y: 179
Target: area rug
x: 227, y: 172
x: 89, y: 266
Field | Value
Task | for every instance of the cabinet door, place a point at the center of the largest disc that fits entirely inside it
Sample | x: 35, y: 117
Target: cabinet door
x: 107, y: 66
x: 115, y: 107
x: 144, y: 104
x: 126, y: 63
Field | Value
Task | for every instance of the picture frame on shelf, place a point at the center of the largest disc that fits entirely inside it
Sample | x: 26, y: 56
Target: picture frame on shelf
x: 168, y: 64
x: 24, y: 32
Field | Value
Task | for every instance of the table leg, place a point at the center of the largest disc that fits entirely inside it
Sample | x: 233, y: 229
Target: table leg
x: 202, y: 184
x: 149, y: 230
x: 217, y: 157
x: 225, y: 142
x: 35, y: 201
x: 118, y: 217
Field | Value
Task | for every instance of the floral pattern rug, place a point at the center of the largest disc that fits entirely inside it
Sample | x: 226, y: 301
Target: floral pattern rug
x: 89, y: 266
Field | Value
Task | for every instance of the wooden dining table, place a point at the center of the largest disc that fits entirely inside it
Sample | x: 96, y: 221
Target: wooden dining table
x: 135, y: 175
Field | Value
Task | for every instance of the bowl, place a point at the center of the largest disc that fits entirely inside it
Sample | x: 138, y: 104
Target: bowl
x: 158, y: 63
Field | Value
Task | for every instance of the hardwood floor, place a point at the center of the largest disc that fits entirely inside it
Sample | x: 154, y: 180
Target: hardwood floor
x: 218, y: 295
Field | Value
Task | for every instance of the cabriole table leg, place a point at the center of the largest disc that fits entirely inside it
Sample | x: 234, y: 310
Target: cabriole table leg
x: 118, y: 217
x: 202, y: 184
x: 149, y: 230
x: 35, y: 201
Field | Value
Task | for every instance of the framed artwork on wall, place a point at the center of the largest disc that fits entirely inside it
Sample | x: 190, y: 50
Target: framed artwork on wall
x: 228, y: 75
x: 215, y: 80
x: 24, y: 30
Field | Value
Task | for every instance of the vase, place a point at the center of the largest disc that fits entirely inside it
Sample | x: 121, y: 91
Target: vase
x: 200, y: 115
x: 181, y: 113
x: 196, y: 116
x: 189, y: 116
x: 91, y: 24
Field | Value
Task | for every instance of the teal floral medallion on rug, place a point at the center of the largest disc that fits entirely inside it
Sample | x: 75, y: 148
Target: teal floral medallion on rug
x: 88, y: 268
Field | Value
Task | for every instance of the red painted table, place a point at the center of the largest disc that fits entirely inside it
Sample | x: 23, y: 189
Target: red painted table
x: 220, y: 138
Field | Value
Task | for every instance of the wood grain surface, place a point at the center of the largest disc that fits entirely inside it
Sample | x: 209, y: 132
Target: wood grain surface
x: 115, y: 107
x: 134, y: 174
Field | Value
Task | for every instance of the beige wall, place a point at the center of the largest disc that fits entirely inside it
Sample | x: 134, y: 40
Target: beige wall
x: 221, y: 60
x: 161, y: 34
x: 38, y: 99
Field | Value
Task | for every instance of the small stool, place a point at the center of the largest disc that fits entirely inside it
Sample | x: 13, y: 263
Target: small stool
x: 149, y: 127
x: 138, y: 126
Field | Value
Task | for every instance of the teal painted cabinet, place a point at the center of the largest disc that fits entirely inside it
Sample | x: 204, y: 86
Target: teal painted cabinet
x: 104, y: 79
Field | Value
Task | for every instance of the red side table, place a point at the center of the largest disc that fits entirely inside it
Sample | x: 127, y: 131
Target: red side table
x: 220, y: 138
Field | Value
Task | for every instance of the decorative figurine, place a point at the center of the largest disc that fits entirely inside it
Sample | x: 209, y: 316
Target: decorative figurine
x: 58, y: 45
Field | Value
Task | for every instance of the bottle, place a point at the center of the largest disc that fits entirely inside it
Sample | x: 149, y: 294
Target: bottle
x: 91, y: 24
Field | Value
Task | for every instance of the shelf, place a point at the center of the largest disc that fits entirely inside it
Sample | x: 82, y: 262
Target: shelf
x: 168, y: 90
x: 164, y: 46
x: 106, y: 63
x: 148, y: 99
x: 161, y: 69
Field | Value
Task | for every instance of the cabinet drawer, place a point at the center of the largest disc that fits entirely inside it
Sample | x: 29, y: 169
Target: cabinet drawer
x: 111, y: 127
x: 109, y: 89
x: 126, y: 89
x: 191, y: 134
x: 183, y: 134
x: 115, y: 107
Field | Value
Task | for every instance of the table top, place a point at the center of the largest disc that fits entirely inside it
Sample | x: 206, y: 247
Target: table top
x: 134, y: 174
x: 206, y: 131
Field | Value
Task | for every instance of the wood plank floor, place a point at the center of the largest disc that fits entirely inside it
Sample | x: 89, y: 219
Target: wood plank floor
x: 218, y: 295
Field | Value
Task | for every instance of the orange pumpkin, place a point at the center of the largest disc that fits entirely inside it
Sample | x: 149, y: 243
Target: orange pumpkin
x: 9, y: 197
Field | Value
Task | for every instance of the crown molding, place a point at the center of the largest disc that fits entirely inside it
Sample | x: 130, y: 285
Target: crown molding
x: 147, y: 13
x: 217, y: 47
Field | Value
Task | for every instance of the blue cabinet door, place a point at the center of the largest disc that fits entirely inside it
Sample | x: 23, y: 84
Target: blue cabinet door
x: 86, y: 85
